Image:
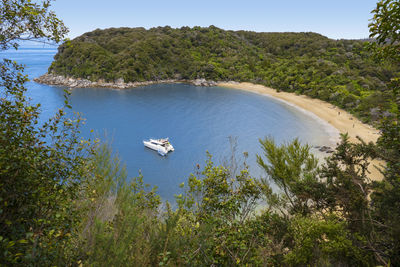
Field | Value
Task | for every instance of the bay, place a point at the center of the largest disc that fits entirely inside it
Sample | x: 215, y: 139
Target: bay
x: 196, y: 119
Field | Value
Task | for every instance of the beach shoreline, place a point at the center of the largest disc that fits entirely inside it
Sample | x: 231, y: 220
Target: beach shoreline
x: 340, y: 119
x: 327, y: 113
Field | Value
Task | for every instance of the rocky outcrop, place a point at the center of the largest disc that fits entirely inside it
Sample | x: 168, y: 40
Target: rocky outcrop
x: 61, y: 80
x: 53, y: 79
x: 325, y: 149
x: 203, y: 82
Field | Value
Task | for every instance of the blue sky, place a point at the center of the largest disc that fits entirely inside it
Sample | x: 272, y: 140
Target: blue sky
x: 333, y: 18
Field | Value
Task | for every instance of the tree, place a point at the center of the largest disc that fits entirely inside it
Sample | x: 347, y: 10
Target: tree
x: 119, y: 221
x: 294, y: 170
x: 385, y: 27
x: 325, y: 208
x: 216, y: 212
x: 40, y: 165
x: 26, y: 20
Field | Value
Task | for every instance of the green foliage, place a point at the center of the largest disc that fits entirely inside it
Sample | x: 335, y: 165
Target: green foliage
x: 341, y: 72
x: 294, y: 170
x: 385, y: 28
x: 41, y: 167
x: 386, y: 194
x: 322, y: 242
x: 214, y: 222
x: 119, y: 217
x: 327, y: 211
x: 329, y: 220
x: 219, y: 208
x: 27, y: 20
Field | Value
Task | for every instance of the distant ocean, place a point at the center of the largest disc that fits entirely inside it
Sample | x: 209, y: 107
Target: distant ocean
x: 196, y: 119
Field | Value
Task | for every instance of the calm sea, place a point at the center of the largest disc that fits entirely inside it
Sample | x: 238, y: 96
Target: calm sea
x: 196, y: 119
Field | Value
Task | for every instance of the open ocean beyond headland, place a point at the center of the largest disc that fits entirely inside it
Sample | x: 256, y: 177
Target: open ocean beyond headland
x: 196, y: 119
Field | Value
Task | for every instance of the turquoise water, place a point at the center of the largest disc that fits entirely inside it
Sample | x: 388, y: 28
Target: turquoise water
x: 196, y: 119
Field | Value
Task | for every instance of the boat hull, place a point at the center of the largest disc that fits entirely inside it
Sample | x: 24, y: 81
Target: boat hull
x: 155, y: 147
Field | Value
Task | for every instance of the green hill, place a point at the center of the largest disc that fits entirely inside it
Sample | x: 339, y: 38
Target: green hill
x: 338, y: 71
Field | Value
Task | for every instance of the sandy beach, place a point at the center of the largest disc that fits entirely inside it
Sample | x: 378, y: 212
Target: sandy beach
x: 337, y: 117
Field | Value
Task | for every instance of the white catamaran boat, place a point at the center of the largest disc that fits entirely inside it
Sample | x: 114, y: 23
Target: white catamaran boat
x: 162, y: 146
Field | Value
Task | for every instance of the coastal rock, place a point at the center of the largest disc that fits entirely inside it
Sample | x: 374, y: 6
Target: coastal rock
x: 204, y: 82
x: 53, y: 79
x: 120, y: 81
x: 325, y: 149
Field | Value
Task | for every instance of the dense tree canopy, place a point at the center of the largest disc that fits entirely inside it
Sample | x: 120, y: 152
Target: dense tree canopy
x: 338, y: 71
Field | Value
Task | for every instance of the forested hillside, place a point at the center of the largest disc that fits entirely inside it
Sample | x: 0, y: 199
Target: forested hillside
x: 342, y: 72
